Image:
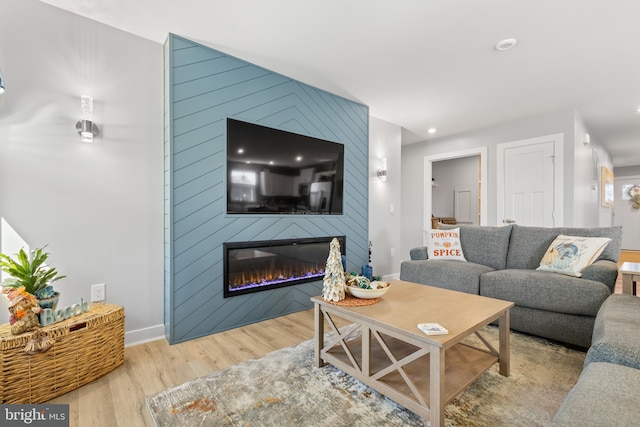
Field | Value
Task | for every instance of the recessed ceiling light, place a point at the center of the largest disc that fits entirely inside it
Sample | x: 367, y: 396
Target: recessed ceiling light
x: 240, y: 150
x: 638, y: 110
x: 432, y: 130
x: 299, y: 159
x: 506, y: 44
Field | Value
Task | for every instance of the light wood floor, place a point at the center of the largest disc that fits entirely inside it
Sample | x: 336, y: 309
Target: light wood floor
x: 631, y: 256
x: 117, y: 399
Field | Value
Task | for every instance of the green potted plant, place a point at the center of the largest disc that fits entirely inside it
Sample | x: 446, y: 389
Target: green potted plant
x: 29, y: 271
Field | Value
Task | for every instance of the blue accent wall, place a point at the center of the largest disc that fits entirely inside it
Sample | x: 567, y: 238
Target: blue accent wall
x: 202, y: 88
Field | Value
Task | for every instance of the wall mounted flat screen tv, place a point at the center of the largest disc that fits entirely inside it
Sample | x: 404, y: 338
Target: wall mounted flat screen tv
x: 271, y: 171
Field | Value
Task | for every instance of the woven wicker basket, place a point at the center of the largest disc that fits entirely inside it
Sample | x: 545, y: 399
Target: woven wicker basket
x: 86, y: 347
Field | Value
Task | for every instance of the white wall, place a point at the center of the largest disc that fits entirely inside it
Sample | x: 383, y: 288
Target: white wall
x: 97, y: 206
x: 413, y: 167
x: 384, y: 225
x: 588, y: 159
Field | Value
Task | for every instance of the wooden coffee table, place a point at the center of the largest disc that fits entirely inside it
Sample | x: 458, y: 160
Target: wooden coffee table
x: 383, y: 347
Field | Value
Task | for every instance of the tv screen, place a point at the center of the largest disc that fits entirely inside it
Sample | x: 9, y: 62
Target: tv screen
x: 271, y: 171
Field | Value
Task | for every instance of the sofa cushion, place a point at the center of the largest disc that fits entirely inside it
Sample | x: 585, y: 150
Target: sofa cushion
x: 418, y: 253
x: 604, y: 271
x: 547, y: 291
x: 605, y: 395
x: 529, y: 244
x: 444, y: 244
x: 454, y: 275
x: 571, y: 254
x: 483, y: 244
x: 568, y: 328
x: 615, y: 333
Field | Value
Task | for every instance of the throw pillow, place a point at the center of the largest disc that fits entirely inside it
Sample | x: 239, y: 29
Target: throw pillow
x: 571, y: 254
x: 445, y: 244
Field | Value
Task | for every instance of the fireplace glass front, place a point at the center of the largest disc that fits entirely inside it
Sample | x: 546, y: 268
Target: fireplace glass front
x: 258, y: 266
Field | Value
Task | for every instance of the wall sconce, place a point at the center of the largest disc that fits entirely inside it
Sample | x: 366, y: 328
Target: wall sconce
x: 1, y: 84
x: 382, y: 172
x: 587, y: 139
x: 85, y: 127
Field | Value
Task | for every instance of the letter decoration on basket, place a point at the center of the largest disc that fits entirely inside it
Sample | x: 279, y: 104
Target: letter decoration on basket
x: 570, y: 255
x: 445, y: 244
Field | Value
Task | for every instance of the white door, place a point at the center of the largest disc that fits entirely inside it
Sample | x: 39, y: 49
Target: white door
x: 529, y: 181
x: 624, y: 212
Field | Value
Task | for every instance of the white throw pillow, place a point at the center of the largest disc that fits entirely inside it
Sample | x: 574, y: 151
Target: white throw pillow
x: 570, y: 254
x: 445, y: 244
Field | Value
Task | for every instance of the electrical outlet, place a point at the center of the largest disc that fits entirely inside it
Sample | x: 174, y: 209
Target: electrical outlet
x: 98, y: 292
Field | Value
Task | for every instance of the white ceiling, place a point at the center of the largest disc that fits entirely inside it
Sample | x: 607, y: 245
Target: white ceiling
x: 426, y: 63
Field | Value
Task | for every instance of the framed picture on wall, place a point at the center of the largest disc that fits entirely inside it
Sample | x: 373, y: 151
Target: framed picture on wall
x: 606, y: 187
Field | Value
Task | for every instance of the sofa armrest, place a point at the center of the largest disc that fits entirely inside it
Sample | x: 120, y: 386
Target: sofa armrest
x: 418, y: 254
x: 602, y: 271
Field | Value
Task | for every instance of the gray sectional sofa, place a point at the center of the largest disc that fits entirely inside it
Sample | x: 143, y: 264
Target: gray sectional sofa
x: 501, y: 263
x: 606, y: 393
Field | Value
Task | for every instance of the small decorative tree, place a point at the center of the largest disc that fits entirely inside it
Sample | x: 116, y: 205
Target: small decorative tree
x: 334, y: 286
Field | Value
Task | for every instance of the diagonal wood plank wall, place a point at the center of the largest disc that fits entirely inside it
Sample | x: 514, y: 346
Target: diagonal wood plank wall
x: 202, y: 88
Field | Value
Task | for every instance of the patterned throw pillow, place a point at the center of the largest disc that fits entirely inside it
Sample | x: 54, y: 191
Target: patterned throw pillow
x: 570, y: 254
x: 445, y: 244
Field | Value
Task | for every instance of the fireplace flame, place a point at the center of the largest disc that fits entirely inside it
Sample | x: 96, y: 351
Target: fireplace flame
x: 270, y: 276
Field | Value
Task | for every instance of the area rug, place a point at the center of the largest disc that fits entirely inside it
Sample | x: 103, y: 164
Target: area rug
x: 283, y: 388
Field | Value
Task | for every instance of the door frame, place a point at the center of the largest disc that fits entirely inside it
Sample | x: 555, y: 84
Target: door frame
x: 558, y: 172
x: 428, y: 190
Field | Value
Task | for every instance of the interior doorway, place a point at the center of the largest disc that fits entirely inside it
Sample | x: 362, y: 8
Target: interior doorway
x: 428, y: 189
x: 455, y: 190
x: 624, y: 213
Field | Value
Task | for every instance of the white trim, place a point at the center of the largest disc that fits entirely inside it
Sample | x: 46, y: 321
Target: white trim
x: 390, y: 277
x: 141, y: 336
x: 428, y: 193
x: 558, y: 164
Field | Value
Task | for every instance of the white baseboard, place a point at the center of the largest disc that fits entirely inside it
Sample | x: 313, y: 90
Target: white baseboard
x: 390, y: 277
x: 141, y: 336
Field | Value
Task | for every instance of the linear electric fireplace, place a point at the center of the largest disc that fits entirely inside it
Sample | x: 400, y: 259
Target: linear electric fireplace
x: 259, y: 266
